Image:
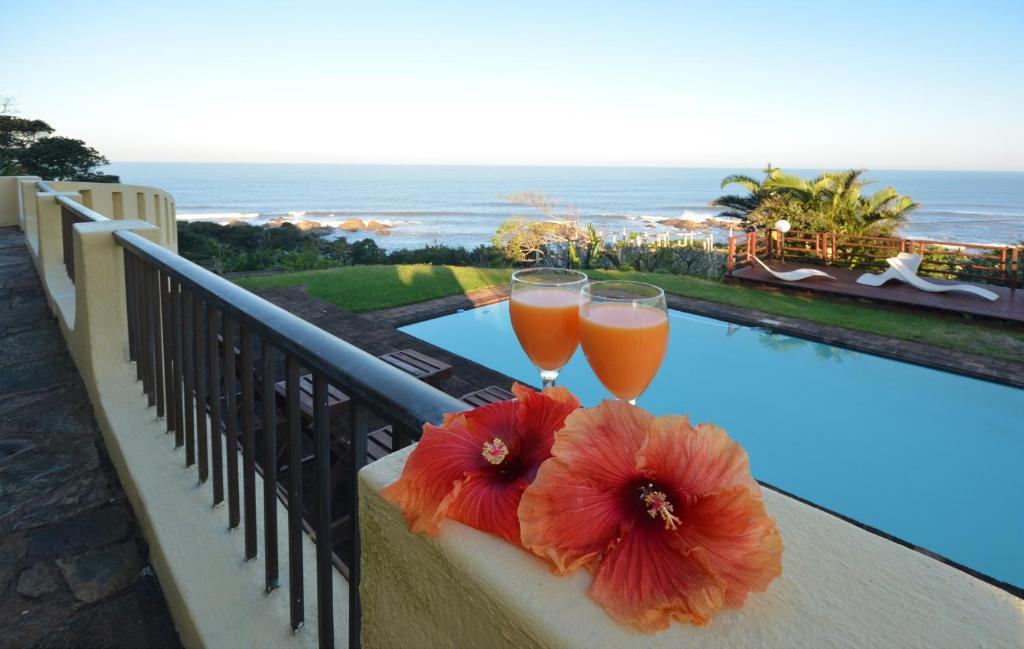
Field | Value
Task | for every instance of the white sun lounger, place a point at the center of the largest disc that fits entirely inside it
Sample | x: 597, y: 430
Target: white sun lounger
x: 792, y: 275
x: 910, y: 262
x: 903, y: 267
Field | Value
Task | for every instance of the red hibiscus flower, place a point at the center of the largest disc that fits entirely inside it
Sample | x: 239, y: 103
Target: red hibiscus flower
x: 474, y: 467
x: 665, y: 515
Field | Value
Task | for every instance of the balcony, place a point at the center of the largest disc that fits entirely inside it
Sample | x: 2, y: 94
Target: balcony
x: 196, y: 386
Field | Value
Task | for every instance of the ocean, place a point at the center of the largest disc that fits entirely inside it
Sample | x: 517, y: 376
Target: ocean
x: 463, y: 205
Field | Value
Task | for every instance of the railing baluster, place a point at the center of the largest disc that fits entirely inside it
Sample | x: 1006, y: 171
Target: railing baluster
x: 356, y: 460
x: 129, y: 296
x: 68, y: 242
x: 269, y: 465
x: 295, y: 584
x: 179, y: 371
x: 150, y: 331
x: 172, y: 405
x: 188, y: 337
x: 216, y: 426
x: 140, y: 331
x: 324, y: 551
x: 199, y: 345
x: 153, y: 288
x: 231, y: 418
x: 248, y: 445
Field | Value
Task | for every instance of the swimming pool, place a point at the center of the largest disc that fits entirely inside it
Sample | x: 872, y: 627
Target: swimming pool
x: 933, y: 458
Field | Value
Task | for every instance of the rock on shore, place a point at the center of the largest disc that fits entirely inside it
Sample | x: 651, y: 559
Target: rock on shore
x: 348, y: 225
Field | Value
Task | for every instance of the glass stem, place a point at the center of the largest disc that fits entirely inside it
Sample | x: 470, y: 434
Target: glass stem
x: 548, y: 378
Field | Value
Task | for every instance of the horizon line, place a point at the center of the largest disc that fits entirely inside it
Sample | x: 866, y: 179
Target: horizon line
x: 551, y: 166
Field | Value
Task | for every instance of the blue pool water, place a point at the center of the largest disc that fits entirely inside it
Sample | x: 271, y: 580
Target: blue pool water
x: 933, y: 458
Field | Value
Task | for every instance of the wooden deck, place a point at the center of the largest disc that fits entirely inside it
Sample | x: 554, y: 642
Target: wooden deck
x: 1009, y: 306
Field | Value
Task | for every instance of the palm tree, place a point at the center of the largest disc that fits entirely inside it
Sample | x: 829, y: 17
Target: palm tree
x: 832, y: 202
x: 740, y: 206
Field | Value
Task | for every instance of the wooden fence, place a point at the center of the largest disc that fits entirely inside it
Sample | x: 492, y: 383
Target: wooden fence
x: 975, y: 262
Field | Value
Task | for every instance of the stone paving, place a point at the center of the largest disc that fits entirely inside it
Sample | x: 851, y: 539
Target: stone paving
x: 73, y: 565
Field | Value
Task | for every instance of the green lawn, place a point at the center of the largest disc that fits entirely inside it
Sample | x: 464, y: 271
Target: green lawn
x: 366, y: 288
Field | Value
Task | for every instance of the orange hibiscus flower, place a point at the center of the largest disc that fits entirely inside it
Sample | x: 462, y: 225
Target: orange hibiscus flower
x: 665, y: 515
x: 474, y: 467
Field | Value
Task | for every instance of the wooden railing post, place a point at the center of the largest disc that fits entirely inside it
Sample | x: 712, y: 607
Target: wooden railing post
x: 1014, y: 267
x: 730, y: 261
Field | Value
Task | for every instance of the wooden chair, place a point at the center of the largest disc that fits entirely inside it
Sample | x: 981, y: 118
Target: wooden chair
x: 338, y: 404
x: 427, y: 369
x: 490, y: 394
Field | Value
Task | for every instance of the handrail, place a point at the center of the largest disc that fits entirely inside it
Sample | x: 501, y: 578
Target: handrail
x: 81, y: 210
x: 390, y: 390
x: 72, y: 212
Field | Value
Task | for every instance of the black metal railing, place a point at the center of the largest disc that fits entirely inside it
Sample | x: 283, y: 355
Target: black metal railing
x: 209, y: 352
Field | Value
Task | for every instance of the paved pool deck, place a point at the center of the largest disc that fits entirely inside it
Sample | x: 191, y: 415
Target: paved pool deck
x: 73, y: 564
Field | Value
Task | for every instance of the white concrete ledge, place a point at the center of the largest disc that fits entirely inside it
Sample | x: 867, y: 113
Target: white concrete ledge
x: 842, y: 587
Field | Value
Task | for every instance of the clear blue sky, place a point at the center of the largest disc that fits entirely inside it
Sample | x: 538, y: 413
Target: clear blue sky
x: 934, y: 85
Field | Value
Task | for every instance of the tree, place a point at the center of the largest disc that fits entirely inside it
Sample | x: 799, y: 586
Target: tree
x: 523, y: 240
x: 26, y: 147
x: 740, y: 206
x: 832, y: 202
x: 64, y: 158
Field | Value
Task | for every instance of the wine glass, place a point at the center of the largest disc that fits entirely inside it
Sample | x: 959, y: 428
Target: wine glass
x: 624, y: 333
x: 544, y: 306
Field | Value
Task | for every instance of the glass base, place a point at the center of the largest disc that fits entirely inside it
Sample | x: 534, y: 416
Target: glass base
x: 548, y: 378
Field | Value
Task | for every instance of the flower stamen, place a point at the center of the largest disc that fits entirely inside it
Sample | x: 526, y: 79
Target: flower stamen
x: 495, y: 451
x: 658, y: 505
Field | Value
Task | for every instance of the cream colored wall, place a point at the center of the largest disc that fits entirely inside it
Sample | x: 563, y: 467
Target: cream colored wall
x: 114, y: 201
x: 215, y: 597
x: 28, y: 196
x: 117, y: 201
x: 10, y: 199
x: 842, y: 587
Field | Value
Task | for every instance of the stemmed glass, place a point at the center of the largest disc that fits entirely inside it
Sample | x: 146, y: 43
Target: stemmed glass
x: 624, y: 333
x: 544, y: 306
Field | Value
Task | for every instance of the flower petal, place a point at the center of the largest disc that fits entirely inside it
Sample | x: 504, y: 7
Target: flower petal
x: 602, y: 442
x: 572, y: 511
x: 649, y: 579
x: 694, y: 460
x: 488, y: 502
x: 717, y: 501
x: 494, y: 420
x: 434, y: 471
x: 539, y: 415
x: 743, y: 545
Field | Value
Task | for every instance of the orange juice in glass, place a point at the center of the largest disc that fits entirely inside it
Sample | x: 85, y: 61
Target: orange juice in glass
x: 624, y: 333
x: 545, y: 306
